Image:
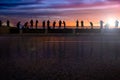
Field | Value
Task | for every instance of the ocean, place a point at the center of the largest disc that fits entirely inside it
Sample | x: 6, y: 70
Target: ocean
x: 58, y: 57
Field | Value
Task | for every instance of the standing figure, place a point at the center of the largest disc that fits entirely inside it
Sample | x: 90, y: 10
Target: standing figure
x: 82, y: 24
x: 91, y: 25
x: 64, y: 23
x: 43, y: 24
x: 18, y: 25
x: 8, y: 23
x: 116, y: 23
x: 60, y: 24
x: 48, y: 24
x: 54, y: 23
x: 101, y: 24
x: 36, y: 24
x: 0, y: 23
x: 77, y: 23
x: 31, y: 23
x: 26, y: 25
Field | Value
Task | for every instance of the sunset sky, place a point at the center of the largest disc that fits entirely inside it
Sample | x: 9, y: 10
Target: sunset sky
x: 68, y: 10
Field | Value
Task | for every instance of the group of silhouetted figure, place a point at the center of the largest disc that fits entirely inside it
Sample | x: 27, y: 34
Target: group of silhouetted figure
x: 82, y: 24
x: 47, y: 24
x: 101, y: 24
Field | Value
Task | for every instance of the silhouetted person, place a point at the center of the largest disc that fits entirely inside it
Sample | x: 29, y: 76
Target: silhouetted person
x: 43, y: 24
x: 8, y: 23
x: 60, y: 24
x: 18, y: 25
x: 77, y: 23
x: 91, y: 25
x: 101, y: 24
x: 48, y: 24
x: 0, y: 23
x: 36, y: 24
x: 54, y: 24
x: 26, y: 25
x: 82, y: 24
x: 116, y: 23
x: 64, y: 23
x: 31, y: 23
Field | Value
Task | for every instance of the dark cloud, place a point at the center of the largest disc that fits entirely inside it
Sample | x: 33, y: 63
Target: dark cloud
x: 13, y: 5
x: 40, y: 7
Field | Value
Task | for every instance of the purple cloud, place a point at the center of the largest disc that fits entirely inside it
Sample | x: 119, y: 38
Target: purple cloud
x: 50, y: 7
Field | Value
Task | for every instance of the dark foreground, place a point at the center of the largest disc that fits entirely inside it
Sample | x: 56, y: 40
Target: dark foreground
x: 83, y: 57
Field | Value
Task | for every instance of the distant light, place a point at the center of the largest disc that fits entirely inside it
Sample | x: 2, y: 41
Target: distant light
x: 111, y: 23
x: 5, y: 24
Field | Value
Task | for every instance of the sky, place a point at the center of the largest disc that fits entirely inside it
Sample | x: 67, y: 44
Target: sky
x: 55, y: 10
